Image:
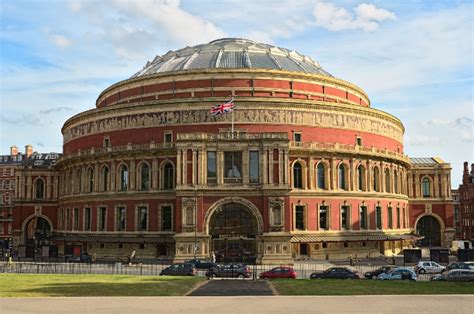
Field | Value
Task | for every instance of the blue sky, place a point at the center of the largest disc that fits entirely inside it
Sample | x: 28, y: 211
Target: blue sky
x: 413, y: 58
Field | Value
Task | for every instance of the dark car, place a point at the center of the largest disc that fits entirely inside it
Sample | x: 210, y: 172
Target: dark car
x: 229, y: 270
x: 373, y: 274
x: 279, y: 272
x: 201, y: 264
x: 336, y: 273
x: 458, y: 265
x: 182, y: 269
x: 455, y: 275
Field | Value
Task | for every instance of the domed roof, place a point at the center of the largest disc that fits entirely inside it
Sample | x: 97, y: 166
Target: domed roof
x: 232, y: 53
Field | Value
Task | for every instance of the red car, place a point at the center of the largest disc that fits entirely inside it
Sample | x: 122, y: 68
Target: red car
x: 279, y: 272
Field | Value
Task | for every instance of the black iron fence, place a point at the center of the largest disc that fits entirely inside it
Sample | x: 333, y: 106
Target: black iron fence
x: 303, y: 270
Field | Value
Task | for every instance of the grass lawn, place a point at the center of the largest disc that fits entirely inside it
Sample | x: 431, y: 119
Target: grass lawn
x: 368, y: 287
x: 32, y: 285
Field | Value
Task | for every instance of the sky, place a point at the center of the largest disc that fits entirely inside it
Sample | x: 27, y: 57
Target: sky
x: 413, y: 58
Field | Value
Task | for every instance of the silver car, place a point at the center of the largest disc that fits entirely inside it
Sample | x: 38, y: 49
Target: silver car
x: 429, y: 267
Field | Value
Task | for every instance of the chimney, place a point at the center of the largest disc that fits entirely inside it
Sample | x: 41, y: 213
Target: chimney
x: 465, y: 174
x: 13, y: 150
x: 472, y: 168
x: 28, y: 150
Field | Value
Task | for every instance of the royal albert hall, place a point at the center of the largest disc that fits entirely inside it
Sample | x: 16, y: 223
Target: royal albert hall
x: 303, y: 167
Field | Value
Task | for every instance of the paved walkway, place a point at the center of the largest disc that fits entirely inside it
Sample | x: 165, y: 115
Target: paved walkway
x: 262, y: 304
x: 232, y: 287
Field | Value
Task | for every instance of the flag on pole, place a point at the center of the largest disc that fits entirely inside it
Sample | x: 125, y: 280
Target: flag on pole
x: 223, y: 108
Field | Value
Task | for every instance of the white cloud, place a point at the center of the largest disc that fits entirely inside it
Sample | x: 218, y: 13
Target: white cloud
x: 367, y: 17
x: 60, y: 40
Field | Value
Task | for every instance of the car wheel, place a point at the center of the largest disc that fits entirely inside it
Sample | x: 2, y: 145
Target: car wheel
x: 422, y: 271
x: 374, y: 277
x: 241, y: 276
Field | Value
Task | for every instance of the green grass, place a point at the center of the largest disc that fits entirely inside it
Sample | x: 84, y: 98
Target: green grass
x: 368, y: 287
x: 31, y: 285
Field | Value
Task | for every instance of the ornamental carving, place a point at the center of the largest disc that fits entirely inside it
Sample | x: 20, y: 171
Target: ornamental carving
x: 320, y: 118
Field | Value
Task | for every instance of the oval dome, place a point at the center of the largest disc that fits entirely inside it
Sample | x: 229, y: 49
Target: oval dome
x: 232, y: 53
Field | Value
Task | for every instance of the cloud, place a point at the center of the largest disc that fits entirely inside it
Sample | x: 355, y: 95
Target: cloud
x: 56, y: 109
x: 367, y: 17
x: 20, y: 120
x: 60, y: 41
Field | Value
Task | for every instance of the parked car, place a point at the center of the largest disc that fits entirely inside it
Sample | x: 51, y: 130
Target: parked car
x: 455, y: 275
x: 374, y: 273
x: 428, y: 267
x: 201, y: 264
x: 229, y: 270
x: 459, y: 265
x: 398, y: 274
x: 336, y: 273
x: 279, y: 272
x: 181, y: 269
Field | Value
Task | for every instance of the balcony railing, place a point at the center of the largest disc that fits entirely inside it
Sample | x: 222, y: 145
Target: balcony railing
x: 233, y: 180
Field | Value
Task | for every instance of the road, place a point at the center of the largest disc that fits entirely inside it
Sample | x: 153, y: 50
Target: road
x: 247, y: 304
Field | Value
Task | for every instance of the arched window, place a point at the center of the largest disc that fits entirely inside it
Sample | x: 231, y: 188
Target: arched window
x: 395, y: 182
x: 39, y: 189
x: 321, y: 176
x: 105, y: 179
x: 425, y: 185
x: 90, y: 176
x: 360, y: 178
x: 145, y: 177
x: 376, y: 179
x: 297, y: 176
x: 342, y: 177
x: 123, y: 178
x: 78, y: 181
x: 387, y: 181
x: 168, y: 177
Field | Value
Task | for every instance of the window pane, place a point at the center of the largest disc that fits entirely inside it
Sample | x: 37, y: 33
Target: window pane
x: 254, y: 171
x: 390, y: 218
x: 321, y: 177
x: 342, y: 177
x: 233, y: 164
x: 120, y: 218
x: 142, y: 218
x: 211, y: 165
x: 299, y: 218
x: 168, y: 183
x: 345, y: 217
x: 123, y: 178
x: 87, y: 219
x: 297, y: 176
x: 277, y: 215
x: 102, y: 217
x: 145, y: 184
x: 363, y: 217
x: 378, y: 217
x: 167, y: 223
x: 323, y: 215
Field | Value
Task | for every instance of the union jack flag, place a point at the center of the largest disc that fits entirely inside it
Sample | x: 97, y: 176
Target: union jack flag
x: 223, y: 108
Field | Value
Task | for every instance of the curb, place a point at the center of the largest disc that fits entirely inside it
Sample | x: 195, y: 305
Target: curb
x: 199, y: 285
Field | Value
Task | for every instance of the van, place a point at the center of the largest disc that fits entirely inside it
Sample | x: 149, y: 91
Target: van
x: 460, y: 245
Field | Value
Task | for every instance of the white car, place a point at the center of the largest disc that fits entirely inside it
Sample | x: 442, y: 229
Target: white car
x: 429, y: 267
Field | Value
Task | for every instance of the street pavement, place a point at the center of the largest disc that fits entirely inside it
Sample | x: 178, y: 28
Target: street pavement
x: 243, y: 304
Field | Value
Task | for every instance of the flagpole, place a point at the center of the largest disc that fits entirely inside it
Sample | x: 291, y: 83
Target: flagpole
x: 232, y: 113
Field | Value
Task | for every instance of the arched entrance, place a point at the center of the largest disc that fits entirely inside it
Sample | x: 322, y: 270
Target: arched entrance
x: 36, y: 231
x: 233, y: 228
x: 429, y: 227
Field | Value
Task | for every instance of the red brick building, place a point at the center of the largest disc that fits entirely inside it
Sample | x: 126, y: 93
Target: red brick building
x: 466, y: 200
x: 304, y: 167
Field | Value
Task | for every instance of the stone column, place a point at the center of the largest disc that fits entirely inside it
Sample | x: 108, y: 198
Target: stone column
x: 48, y: 186
x: 154, y: 172
x: 352, y: 175
x: 265, y: 166
x: 417, y: 185
x: 285, y: 167
x: 132, y: 175
x: 311, y: 173
x: 185, y: 167
x: 333, y: 174
x: 245, y: 167
x: 436, y: 185
x: 444, y: 183
x: 410, y: 185
x: 96, y: 177
x: 56, y: 187
x: 178, y: 168
x: 280, y: 166
x: 194, y: 167
x: 220, y: 167
x: 29, y: 186
x: 368, y: 176
x: 201, y: 167
x: 448, y: 184
x: 112, y: 176
x: 270, y: 166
